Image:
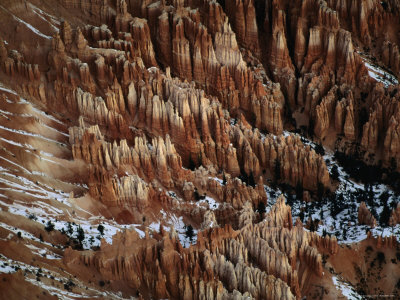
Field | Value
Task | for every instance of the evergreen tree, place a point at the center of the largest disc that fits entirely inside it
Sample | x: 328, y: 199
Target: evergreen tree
x: 312, y: 225
x: 385, y: 216
x: 251, y: 180
x: 393, y: 165
x: 335, y: 173
x: 319, y: 149
x: 192, y: 165
x: 277, y: 170
x: 336, y: 204
x: 49, y: 226
x: 70, y: 230
x: 243, y: 176
x: 81, y: 235
x: 299, y: 190
x: 100, y: 228
x: 289, y: 199
x: 301, y: 215
x: 189, y: 232
x: 320, y: 190
x: 200, y: 159
x: 261, y: 207
x: 383, y: 198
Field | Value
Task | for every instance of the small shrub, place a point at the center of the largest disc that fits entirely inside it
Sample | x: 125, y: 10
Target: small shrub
x: 319, y: 149
x: 49, y: 226
x: 189, y: 232
x: 32, y: 217
x: 335, y: 173
x: 261, y: 207
x: 100, y: 228
x: 81, y: 235
x: 381, y: 257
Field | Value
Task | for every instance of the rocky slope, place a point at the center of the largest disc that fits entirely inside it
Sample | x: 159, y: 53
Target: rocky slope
x: 140, y: 142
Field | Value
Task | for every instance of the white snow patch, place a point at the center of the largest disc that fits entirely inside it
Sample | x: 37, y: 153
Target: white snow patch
x: 40, y: 13
x: 33, y: 29
x: 220, y: 181
x: 212, y: 204
x: 379, y: 74
x: 346, y: 289
x: 26, y: 133
x: 2, y: 88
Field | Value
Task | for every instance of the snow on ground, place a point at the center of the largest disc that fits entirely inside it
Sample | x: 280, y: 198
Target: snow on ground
x: 26, y: 133
x: 41, y: 14
x: 346, y: 289
x: 377, y: 72
x: 46, y: 253
x: 53, y: 282
x: 36, y: 110
x: 380, y: 75
x: 43, y: 213
x: 220, y: 181
x: 345, y: 224
x: 38, y: 190
x: 16, y: 143
x: 272, y: 197
x: 33, y: 29
x: 2, y: 88
x: 172, y: 221
x: 208, y: 201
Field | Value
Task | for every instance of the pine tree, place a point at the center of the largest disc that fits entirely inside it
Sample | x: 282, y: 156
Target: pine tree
x: 385, y: 216
x: 81, y: 235
x: 251, y: 180
x: 344, y: 233
x: 335, y: 173
x: 277, y: 170
x: 301, y: 215
x: 49, y: 226
x: 299, y: 190
x: 312, y: 225
x: 261, y: 207
x: 192, y: 165
x: 70, y: 230
x: 319, y: 149
x: 289, y: 199
x: 189, y: 232
x: 320, y: 190
x: 100, y: 228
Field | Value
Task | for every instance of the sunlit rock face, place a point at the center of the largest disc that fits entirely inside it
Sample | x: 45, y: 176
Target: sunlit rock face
x: 236, y: 149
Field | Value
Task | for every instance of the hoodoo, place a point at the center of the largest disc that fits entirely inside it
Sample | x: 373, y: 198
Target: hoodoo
x: 199, y: 149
